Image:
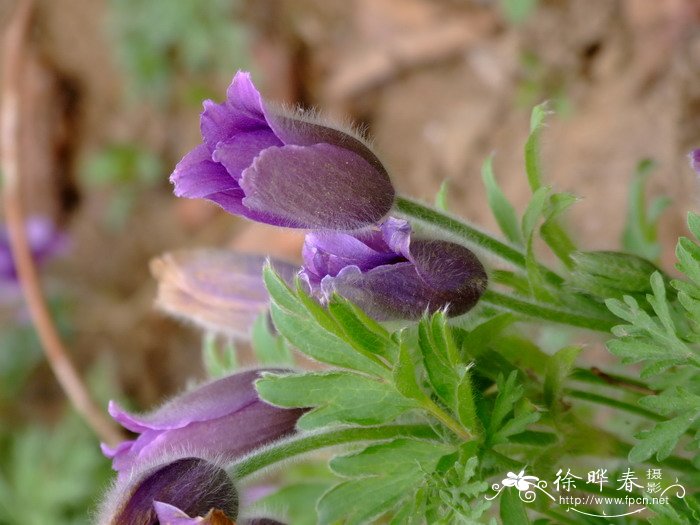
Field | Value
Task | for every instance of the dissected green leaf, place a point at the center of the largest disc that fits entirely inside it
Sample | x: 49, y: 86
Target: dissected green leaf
x: 558, y: 368
x: 512, y: 508
x: 662, y: 438
x: 384, y: 475
x: 338, y: 397
x: 501, y: 208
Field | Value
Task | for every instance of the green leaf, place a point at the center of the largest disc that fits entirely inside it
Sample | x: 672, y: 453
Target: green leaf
x: 558, y: 368
x: 532, y: 215
x: 362, y: 330
x: 218, y: 361
x: 305, y: 325
x: 405, y: 375
x: 436, y: 344
x: 662, y: 438
x: 295, y: 502
x: 673, y: 400
x: 386, y: 475
x: 512, y: 508
x: 501, y: 208
x: 552, y: 232
x: 337, y: 397
x: 269, y: 348
x: 532, y: 146
x: 441, y: 197
x: 466, y: 408
x: 640, y: 234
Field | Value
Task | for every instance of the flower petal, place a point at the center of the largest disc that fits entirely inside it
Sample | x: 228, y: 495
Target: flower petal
x: 193, y: 484
x: 219, y: 290
x: 326, y: 253
x: 227, y: 437
x: 320, y: 186
x: 238, y: 152
x: 452, y: 272
x: 212, y: 400
x: 299, y: 129
x: 197, y: 175
x: 241, y: 112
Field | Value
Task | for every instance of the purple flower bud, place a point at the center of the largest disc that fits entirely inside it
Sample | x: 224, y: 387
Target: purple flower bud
x: 221, y: 419
x: 218, y: 290
x: 282, y: 167
x: 170, y: 493
x: 694, y: 157
x: 45, y: 241
x: 390, y: 275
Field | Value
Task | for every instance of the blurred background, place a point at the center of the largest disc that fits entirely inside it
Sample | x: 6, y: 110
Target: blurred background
x: 113, y: 89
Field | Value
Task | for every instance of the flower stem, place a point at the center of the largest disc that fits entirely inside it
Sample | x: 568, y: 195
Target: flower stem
x: 468, y: 233
x: 546, y: 312
x: 447, y: 420
x: 289, y: 448
x: 613, y: 403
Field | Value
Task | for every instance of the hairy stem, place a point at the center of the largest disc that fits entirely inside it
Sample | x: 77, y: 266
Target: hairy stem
x: 613, y: 403
x: 289, y: 448
x: 546, y: 312
x: 469, y: 234
x: 446, y: 419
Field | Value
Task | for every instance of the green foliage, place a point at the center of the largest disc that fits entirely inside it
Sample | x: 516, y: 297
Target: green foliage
x: 219, y: 360
x: 502, y: 209
x: 517, y: 11
x: 664, y: 339
x: 640, y: 235
x: 270, y: 348
x: 122, y: 170
x: 50, y: 475
x: 160, y: 40
x: 383, y: 477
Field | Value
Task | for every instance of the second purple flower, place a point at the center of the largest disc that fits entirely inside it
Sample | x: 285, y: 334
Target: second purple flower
x: 390, y: 275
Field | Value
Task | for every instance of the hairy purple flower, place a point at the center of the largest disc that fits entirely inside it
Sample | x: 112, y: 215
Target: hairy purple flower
x: 218, y: 290
x: 190, y: 486
x: 224, y: 419
x: 282, y: 167
x: 390, y: 275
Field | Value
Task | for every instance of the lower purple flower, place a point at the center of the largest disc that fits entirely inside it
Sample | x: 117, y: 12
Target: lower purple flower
x: 44, y: 240
x: 390, y: 275
x: 222, y: 419
x: 169, y: 493
x: 171, y: 515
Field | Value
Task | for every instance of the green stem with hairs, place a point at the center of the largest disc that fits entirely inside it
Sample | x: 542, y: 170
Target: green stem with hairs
x: 469, y: 234
x: 289, y: 448
x: 546, y: 312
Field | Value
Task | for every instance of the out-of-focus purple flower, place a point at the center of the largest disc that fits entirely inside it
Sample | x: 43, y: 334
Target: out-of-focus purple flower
x: 45, y: 241
x: 170, y: 493
x: 282, y: 167
x: 390, y: 275
x: 221, y: 419
x: 694, y: 157
x: 218, y: 290
x: 171, y: 515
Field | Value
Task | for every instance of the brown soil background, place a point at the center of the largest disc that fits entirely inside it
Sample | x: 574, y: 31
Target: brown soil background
x: 437, y: 85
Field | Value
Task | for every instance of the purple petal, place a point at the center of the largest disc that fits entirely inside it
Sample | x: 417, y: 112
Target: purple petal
x: 386, y: 293
x: 219, y: 290
x: 238, y: 152
x: 695, y: 160
x: 227, y: 437
x: 212, y: 400
x: 242, y: 112
x: 397, y: 235
x: 197, y: 175
x: 320, y: 186
x: 192, y: 484
x: 298, y: 130
x: 453, y: 273
x: 171, y: 515
x: 326, y: 253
